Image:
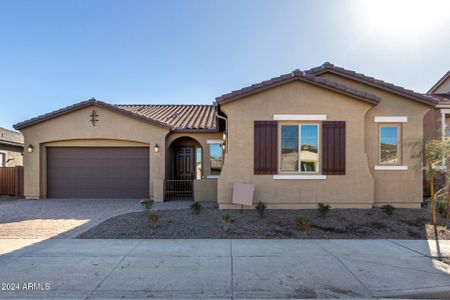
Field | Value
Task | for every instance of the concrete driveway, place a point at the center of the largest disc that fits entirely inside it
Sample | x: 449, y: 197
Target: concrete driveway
x: 225, y: 269
x: 58, y: 218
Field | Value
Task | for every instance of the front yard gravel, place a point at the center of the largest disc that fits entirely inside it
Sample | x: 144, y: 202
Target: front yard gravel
x: 338, y: 224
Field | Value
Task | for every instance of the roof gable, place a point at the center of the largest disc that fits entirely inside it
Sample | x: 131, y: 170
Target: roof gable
x: 441, y: 81
x: 371, y: 81
x: 298, y: 75
x: 83, y: 104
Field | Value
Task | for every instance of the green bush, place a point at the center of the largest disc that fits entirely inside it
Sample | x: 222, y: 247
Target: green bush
x: 323, y: 209
x: 388, y: 209
x: 147, y: 204
x: 302, y: 223
x: 153, y: 219
x: 226, y: 222
x: 196, y: 208
x: 260, y: 208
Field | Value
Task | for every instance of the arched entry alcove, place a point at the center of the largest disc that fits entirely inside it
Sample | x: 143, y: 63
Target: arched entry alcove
x: 183, y: 166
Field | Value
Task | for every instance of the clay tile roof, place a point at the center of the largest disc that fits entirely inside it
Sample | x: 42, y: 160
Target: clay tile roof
x: 329, y: 67
x: 301, y: 76
x: 10, y: 137
x: 178, y: 117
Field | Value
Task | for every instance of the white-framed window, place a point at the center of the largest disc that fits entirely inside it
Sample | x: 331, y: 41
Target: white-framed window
x: 215, y: 159
x: 299, y: 148
x: 389, y: 144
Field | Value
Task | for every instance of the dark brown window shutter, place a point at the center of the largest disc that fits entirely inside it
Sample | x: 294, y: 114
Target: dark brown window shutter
x: 333, y: 147
x: 265, y: 147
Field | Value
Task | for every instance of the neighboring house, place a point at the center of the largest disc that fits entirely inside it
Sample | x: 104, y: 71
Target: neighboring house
x: 324, y: 135
x: 11, y: 148
x: 437, y: 121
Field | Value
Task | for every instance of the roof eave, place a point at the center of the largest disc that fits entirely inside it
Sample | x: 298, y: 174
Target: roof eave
x: 230, y: 97
x: 80, y: 105
x: 430, y: 102
x: 11, y: 143
x: 194, y: 130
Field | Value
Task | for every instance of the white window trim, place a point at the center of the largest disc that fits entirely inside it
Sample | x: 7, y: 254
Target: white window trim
x: 299, y: 117
x: 299, y: 177
x: 391, y: 168
x: 214, y: 142
x: 213, y: 176
x: 397, y: 119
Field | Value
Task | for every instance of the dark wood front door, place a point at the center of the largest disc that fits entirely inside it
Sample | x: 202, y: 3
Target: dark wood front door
x: 185, y: 163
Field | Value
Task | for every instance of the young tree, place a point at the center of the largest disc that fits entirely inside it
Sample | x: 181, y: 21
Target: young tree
x: 432, y: 156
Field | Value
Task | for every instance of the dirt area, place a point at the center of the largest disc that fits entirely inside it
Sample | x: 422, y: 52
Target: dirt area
x: 281, y: 224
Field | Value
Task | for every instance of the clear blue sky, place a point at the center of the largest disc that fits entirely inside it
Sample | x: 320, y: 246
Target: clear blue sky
x: 56, y: 53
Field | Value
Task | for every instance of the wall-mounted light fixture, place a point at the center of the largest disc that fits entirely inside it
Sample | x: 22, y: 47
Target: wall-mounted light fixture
x: 224, y: 136
x: 156, y: 148
x: 30, y: 148
x: 224, y: 146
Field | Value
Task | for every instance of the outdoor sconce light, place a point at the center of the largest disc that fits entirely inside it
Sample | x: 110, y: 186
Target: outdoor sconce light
x: 30, y: 148
x: 156, y: 148
x: 223, y: 146
x: 224, y: 136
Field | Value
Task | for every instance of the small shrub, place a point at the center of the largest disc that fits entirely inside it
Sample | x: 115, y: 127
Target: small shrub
x: 147, y: 204
x: 153, y: 219
x: 302, y: 223
x: 226, y: 222
x: 388, y: 209
x: 260, y: 208
x: 196, y: 208
x: 323, y: 209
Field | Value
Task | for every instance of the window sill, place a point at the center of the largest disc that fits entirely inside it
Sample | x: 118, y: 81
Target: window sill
x: 391, y: 168
x: 213, y: 176
x: 299, y: 177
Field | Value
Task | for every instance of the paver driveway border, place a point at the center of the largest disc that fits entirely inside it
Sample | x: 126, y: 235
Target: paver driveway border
x: 58, y: 218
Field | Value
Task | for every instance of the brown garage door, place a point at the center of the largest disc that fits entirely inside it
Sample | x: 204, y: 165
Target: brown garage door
x: 91, y: 172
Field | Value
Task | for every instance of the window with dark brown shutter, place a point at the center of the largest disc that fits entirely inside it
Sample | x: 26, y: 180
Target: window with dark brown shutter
x: 265, y: 147
x: 333, y: 149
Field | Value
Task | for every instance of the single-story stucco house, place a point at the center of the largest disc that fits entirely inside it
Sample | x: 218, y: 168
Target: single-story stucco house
x: 323, y: 135
x: 11, y: 148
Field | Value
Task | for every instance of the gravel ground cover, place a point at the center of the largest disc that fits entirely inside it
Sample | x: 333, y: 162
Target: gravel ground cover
x: 337, y: 224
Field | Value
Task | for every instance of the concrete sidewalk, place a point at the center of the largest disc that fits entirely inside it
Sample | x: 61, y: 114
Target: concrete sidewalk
x: 225, y: 269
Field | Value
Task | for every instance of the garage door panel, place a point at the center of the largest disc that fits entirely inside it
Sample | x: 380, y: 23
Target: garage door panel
x: 82, y: 172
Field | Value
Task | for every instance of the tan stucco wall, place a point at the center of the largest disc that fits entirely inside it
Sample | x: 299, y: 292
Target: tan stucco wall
x: 355, y: 189
x: 74, y: 128
x: 399, y: 188
x: 205, y: 190
x: 432, y: 124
